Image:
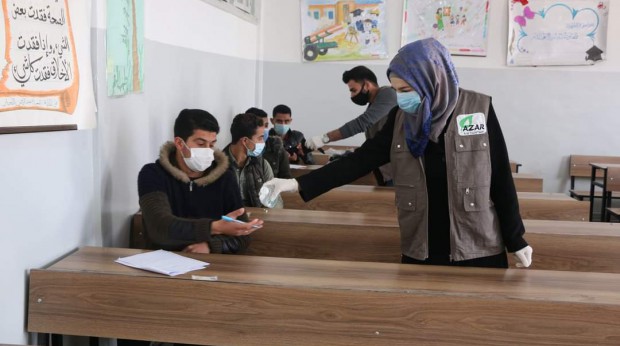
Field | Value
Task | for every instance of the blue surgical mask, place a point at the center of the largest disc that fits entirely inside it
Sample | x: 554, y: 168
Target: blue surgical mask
x: 408, y: 101
x: 281, y: 129
x: 258, y: 149
x: 266, y: 135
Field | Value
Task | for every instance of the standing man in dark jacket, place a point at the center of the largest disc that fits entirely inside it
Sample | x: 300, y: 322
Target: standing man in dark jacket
x: 294, y: 141
x: 274, y: 152
x: 365, y: 90
x: 184, y: 194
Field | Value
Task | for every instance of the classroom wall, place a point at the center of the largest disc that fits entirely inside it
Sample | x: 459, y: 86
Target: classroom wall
x: 196, y: 56
x: 546, y: 113
x: 62, y: 190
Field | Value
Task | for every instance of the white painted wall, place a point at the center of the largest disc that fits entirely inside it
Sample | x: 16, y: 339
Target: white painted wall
x: 62, y: 190
x: 547, y: 113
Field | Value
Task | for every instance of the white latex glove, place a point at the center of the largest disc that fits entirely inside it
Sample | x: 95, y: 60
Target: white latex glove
x: 315, y: 142
x: 271, y: 190
x: 524, y: 257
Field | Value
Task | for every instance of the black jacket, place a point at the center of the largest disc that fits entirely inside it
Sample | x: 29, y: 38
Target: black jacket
x: 178, y: 211
x: 291, y: 140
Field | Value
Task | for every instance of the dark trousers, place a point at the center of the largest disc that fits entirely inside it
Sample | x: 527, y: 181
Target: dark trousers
x: 495, y: 261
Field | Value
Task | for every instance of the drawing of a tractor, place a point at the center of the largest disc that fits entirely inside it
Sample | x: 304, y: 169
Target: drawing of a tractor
x: 315, y: 45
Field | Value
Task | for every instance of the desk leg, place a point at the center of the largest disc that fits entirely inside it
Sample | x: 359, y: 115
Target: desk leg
x: 56, y: 340
x: 592, y: 179
x: 608, y: 205
x: 604, y: 199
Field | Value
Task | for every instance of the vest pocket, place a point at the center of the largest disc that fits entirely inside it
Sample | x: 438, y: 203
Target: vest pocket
x: 405, y: 197
x: 473, y: 162
x: 477, y: 198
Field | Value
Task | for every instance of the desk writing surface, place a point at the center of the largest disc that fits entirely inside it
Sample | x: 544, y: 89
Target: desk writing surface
x: 363, y: 219
x: 283, y: 301
x: 368, y: 276
x: 604, y: 165
x: 321, y: 216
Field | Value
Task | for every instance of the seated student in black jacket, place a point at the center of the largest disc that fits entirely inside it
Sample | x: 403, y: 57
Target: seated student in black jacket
x: 294, y: 141
x: 184, y: 194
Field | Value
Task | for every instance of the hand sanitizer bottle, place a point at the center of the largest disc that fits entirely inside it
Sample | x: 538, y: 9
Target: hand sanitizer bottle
x: 266, y: 198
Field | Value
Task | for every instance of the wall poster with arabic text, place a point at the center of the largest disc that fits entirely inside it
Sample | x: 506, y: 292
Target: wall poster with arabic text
x: 551, y: 32
x: 46, y: 75
x: 343, y: 30
x: 460, y: 25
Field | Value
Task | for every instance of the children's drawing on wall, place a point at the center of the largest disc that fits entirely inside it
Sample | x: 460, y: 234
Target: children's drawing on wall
x: 343, y: 30
x: 125, y: 46
x: 460, y: 25
x: 547, y: 32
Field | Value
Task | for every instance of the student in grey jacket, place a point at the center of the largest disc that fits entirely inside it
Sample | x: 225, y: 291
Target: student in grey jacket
x: 457, y: 203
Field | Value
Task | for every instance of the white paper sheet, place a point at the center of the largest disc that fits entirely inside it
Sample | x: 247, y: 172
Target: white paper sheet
x: 163, y: 262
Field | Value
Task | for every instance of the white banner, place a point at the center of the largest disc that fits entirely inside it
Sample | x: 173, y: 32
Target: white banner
x: 46, y: 73
x: 549, y: 32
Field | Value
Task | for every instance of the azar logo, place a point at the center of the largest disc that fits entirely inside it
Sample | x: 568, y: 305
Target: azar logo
x: 471, y: 124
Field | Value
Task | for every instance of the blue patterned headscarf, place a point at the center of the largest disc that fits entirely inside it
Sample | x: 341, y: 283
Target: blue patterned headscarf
x: 427, y: 67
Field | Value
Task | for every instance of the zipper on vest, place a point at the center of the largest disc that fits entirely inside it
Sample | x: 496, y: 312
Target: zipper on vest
x: 191, y: 185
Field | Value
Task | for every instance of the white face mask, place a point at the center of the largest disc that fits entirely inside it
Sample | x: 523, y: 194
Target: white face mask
x: 200, y: 159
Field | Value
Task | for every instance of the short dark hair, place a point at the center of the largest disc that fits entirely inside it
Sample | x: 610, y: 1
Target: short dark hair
x: 257, y: 111
x: 359, y: 74
x: 281, y: 109
x: 194, y: 119
x: 244, y: 125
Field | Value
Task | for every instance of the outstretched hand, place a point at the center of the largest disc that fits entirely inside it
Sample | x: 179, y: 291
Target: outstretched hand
x: 235, y: 228
x: 272, y: 189
x: 315, y: 143
x: 524, y: 257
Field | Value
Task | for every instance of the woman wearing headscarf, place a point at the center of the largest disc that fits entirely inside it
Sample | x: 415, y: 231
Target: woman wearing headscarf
x: 456, y: 199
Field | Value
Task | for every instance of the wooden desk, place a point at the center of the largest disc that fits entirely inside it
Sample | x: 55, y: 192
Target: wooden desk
x: 277, y: 301
x: 368, y: 179
x: 380, y: 200
x: 514, y: 166
x: 525, y: 182
x: 579, y: 167
x: 558, y: 245
x: 609, y: 183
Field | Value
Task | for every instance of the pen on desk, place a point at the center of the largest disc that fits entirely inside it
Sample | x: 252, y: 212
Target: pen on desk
x: 230, y: 219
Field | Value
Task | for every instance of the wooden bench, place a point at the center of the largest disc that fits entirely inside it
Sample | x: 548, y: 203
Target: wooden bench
x: 613, y: 213
x: 380, y: 200
x: 579, y: 167
x: 558, y: 245
x: 368, y: 179
x: 284, y: 301
x: 524, y: 182
x: 611, y: 186
x: 323, y: 159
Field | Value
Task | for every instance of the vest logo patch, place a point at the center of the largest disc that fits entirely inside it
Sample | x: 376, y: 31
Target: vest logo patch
x: 471, y: 124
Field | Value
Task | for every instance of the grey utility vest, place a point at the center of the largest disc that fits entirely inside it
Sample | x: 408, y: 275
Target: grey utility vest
x: 474, y: 227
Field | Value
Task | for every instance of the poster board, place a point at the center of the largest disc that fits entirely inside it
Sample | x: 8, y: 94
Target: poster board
x: 460, y: 25
x: 46, y: 79
x: 343, y: 30
x: 551, y: 32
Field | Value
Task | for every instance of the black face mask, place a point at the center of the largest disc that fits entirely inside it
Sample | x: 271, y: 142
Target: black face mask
x: 362, y: 98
